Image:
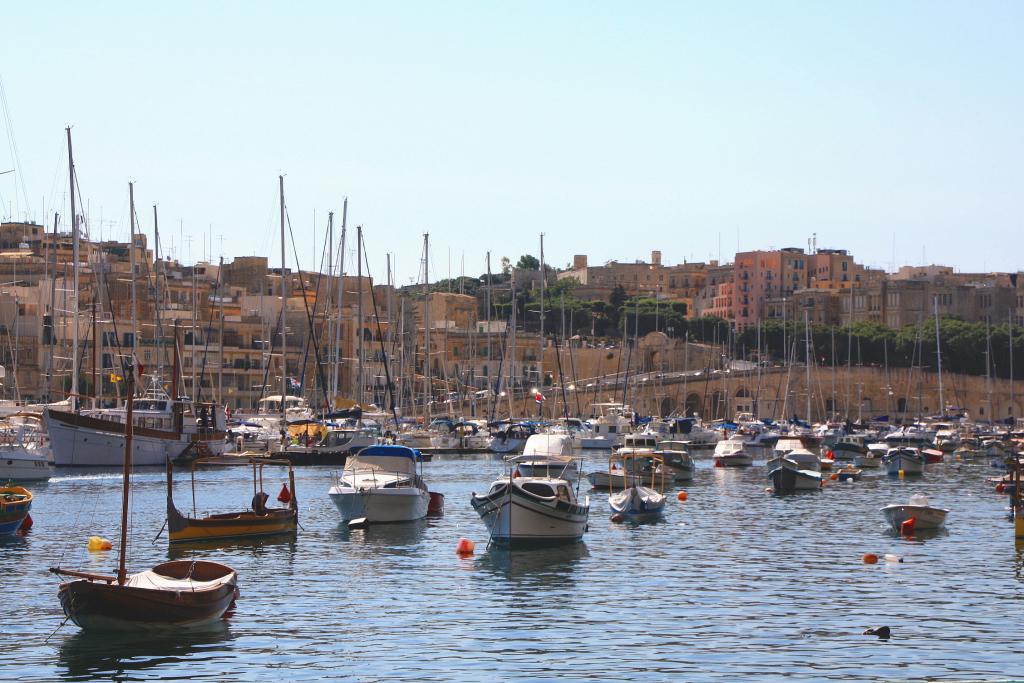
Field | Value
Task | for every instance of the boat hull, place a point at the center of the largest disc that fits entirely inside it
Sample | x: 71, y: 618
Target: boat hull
x: 522, y: 520
x: 909, y: 464
x: 637, y: 503
x: 15, y: 504
x: 82, y: 441
x: 21, y: 464
x: 924, y: 517
x: 734, y: 460
x: 789, y: 479
x: 233, y: 526
x: 97, y: 605
x: 379, y: 506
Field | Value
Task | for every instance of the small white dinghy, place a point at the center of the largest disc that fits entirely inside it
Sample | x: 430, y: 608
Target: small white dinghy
x: 924, y: 515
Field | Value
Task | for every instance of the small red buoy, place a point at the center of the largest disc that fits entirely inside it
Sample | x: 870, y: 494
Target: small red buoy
x: 464, y: 547
x: 26, y: 523
x: 718, y: 463
x: 907, y: 527
x: 833, y: 476
x: 870, y: 558
x: 285, y: 496
x: 682, y: 496
x: 830, y: 455
x: 515, y: 474
x: 1000, y: 487
x: 617, y: 517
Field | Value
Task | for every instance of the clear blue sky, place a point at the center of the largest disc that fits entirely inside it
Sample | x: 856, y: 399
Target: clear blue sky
x: 614, y: 128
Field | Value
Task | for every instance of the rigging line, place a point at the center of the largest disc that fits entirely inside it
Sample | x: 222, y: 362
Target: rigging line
x: 316, y: 302
x: 380, y: 338
x: 305, y: 302
x: 13, y: 143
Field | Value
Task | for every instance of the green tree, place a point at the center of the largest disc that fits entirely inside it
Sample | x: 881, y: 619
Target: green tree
x: 528, y: 262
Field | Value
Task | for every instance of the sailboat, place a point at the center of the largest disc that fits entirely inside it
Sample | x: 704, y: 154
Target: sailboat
x: 179, y: 594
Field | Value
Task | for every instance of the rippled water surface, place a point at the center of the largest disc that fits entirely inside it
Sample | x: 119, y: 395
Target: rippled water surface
x: 733, y: 583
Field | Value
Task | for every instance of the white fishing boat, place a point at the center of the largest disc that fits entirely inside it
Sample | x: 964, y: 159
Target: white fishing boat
x: 626, y: 467
x: 924, y: 515
x: 906, y: 459
x: 528, y: 510
x: 547, y: 455
x: 732, y: 453
x: 848, y: 446
x: 801, y: 457
x: 789, y: 476
x: 381, y: 484
x: 163, y: 428
x: 677, y: 460
x: 640, y: 500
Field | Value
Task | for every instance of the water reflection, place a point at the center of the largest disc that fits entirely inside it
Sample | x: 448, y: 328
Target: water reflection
x: 398, y: 535
x: 253, y: 546
x: 551, y: 565
x: 85, y: 655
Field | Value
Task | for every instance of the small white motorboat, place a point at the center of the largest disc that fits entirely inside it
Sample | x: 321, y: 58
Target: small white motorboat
x: 924, y: 515
x: 873, y: 458
x: 677, y: 459
x: 382, y: 484
x: 789, y: 476
x: 731, y: 453
x: 22, y: 463
x: 905, y: 458
x: 525, y: 510
x: 801, y: 457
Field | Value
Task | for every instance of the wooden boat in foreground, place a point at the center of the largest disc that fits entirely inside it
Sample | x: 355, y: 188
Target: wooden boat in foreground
x: 178, y: 594
x: 257, y: 522
x: 15, y: 503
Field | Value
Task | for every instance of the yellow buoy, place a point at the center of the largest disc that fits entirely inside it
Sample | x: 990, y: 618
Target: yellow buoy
x: 902, y: 474
x: 96, y: 544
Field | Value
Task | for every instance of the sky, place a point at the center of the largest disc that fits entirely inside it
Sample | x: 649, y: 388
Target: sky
x: 892, y: 129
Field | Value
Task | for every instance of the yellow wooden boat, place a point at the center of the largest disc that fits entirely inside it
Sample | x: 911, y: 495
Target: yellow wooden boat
x: 256, y: 522
x: 15, y: 503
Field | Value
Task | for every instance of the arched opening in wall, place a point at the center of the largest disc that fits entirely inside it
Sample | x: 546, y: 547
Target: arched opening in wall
x: 667, y: 406
x: 692, y: 406
x: 901, y: 405
x: 866, y: 406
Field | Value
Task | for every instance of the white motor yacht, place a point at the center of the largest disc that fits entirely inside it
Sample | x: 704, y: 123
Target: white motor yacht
x: 382, y: 484
x: 525, y: 510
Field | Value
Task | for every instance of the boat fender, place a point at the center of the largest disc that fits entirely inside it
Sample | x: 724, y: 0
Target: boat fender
x: 285, y: 496
x: 1000, y: 487
x: 617, y: 517
x: 907, y: 526
x: 26, y: 524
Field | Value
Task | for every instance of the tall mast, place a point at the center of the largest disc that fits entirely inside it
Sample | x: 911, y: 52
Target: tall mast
x: 129, y: 428
x: 490, y: 357
x: 540, y: 354
x: 427, y: 384
x: 1013, y: 413
x: 284, y: 310
x: 131, y: 251
x: 938, y: 357
x: 807, y: 362
x: 157, y: 303
x: 359, y: 310
x: 75, y: 247
x: 338, y: 334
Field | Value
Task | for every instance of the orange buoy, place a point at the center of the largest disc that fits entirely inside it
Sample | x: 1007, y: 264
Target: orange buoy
x: 870, y: 558
x: 682, y: 496
x: 617, y: 517
x: 718, y: 463
x: 1000, y: 487
x: 285, y: 496
x: 833, y: 476
x: 106, y: 545
x: 464, y: 547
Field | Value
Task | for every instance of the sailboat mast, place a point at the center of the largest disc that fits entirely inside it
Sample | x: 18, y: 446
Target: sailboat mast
x: 131, y: 251
x: 338, y: 334
x: 807, y: 362
x: 938, y: 357
x: 427, y: 384
x: 359, y: 311
x: 158, y: 302
x: 129, y: 428
x: 75, y: 255
x: 284, y: 310
x: 540, y: 353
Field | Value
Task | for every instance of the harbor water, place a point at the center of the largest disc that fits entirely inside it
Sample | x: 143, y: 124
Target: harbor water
x: 734, y: 582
